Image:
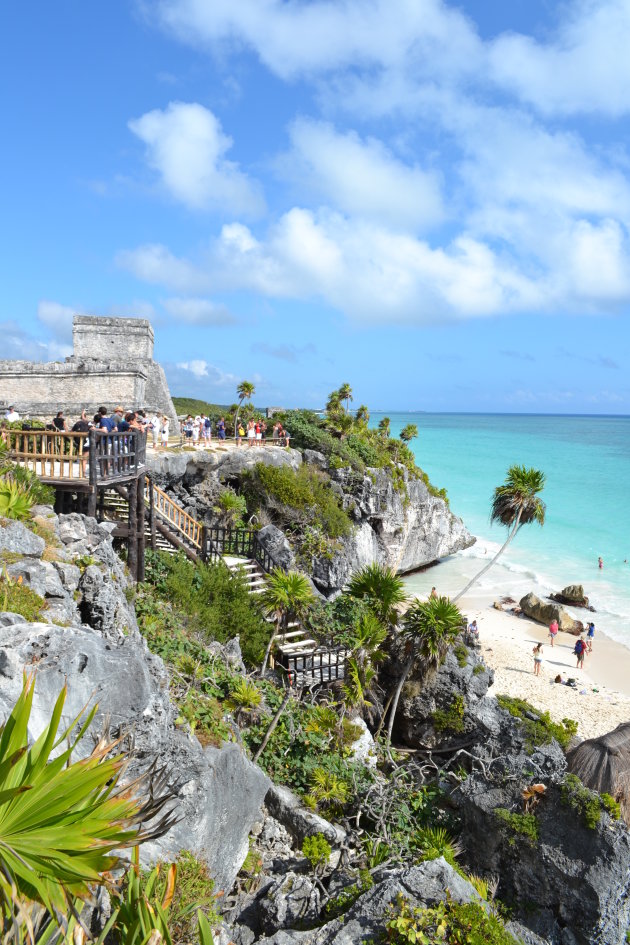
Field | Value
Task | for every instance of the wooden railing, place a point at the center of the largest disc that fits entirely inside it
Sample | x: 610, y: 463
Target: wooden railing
x: 178, y: 519
x: 313, y: 667
x: 95, y: 457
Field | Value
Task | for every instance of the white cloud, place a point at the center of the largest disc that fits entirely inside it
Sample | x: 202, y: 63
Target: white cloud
x: 585, y: 68
x: 198, y: 311
x: 197, y: 367
x: 156, y: 264
x: 363, y: 178
x: 186, y: 145
x: 21, y: 346
x: 296, y: 39
x: 57, y: 317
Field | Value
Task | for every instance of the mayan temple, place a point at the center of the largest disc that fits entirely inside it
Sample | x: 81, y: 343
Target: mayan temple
x: 112, y: 363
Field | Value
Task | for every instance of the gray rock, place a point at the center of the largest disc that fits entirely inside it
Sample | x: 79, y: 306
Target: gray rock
x: 40, y: 576
x: 293, y: 900
x: 219, y: 792
x: 17, y: 539
x: 69, y: 575
x: 233, y: 464
x: 286, y: 808
x: 313, y: 458
x: 72, y: 528
x: 422, y: 886
x: 275, y: 542
x: 364, y: 748
x: 61, y: 611
x: 542, y: 612
x: 102, y: 604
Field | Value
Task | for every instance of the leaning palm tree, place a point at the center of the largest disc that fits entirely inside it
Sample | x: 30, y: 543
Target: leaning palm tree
x: 409, y: 432
x: 515, y: 503
x: 384, y: 426
x: 429, y: 626
x: 365, y: 645
x: 345, y: 393
x: 382, y: 590
x: 362, y: 415
x: 245, y: 391
x: 287, y: 595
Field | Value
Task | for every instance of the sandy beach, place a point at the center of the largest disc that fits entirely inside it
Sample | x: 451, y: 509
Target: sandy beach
x: 602, y: 697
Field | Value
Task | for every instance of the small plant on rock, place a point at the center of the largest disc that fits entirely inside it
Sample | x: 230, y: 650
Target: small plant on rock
x: 436, y: 842
x: 317, y: 850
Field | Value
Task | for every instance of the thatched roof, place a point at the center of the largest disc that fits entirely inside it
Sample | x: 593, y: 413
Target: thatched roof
x: 603, y: 764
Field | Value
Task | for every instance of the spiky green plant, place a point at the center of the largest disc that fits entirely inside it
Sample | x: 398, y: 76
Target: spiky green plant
x: 382, y: 590
x: 514, y: 504
x: 15, y: 501
x: 328, y: 789
x: 244, y: 699
x: 286, y: 596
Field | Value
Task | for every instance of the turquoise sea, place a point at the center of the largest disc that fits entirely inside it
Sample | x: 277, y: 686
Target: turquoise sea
x: 587, y: 463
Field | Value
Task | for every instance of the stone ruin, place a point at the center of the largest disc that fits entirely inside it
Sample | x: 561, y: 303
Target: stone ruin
x: 112, y: 363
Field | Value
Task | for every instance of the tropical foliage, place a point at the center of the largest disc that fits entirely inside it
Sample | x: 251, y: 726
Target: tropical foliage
x: 382, y: 590
x: 285, y: 598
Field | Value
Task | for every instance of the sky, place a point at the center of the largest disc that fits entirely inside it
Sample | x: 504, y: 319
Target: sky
x: 429, y: 201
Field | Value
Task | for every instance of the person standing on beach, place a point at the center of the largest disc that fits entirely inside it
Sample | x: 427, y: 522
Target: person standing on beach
x: 553, y: 630
x: 538, y: 658
x: 433, y: 593
x: 580, y: 652
x: 590, y: 633
x: 600, y: 562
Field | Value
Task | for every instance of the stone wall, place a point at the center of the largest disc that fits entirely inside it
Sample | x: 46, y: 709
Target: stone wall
x: 112, y: 363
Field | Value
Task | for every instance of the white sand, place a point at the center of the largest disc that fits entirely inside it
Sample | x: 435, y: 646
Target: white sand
x: 507, y: 642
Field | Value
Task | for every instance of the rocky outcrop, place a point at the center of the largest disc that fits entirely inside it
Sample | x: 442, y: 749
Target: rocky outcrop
x: 538, y: 610
x: 100, y: 655
x: 285, y: 807
x: 573, y: 595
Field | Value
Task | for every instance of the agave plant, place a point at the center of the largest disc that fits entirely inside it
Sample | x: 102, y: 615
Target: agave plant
x: 61, y: 820
x: 15, y: 500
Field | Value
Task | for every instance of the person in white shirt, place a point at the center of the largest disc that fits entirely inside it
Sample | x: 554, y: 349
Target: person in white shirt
x: 196, y: 429
x: 156, y: 425
x: 164, y: 432
x: 11, y: 415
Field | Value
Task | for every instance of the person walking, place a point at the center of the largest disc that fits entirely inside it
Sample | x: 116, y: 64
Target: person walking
x: 580, y: 652
x: 590, y: 633
x: 553, y: 631
x: 155, y: 425
x: 221, y: 428
x: 538, y: 658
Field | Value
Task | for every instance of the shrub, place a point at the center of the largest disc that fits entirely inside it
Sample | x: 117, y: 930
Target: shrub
x: 461, y: 654
x: 436, y: 842
x: 296, y: 498
x: 194, y: 890
x: 450, y: 922
x: 518, y: 825
x: 450, y: 719
x: 317, y: 850
x: 16, y: 598
x: 340, y: 903
x: 588, y: 805
x: 539, y: 726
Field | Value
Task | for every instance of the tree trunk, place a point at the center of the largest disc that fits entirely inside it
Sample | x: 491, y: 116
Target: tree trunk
x: 490, y: 563
x: 277, y: 627
x: 272, y: 727
x: 401, y: 683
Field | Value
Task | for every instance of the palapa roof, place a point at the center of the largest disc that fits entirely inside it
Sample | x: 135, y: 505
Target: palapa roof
x: 603, y: 764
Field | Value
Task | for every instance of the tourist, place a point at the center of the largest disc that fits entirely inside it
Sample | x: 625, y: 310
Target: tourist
x: 287, y: 438
x: 196, y: 431
x: 590, y: 633
x: 251, y: 433
x: 580, y: 652
x: 472, y: 633
x: 433, y: 593
x: 59, y: 422
x: 258, y: 428
x: 164, y: 432
x: 154, y: 426
x: 240, y: 434
x: 134, y: 422
x: 83, y: 426
x: 221, y: 428
x: 11, y: 415
x: 538, y: 658
x: 105, y: 423
x: 553, y: 630
x: 187, y: 427
x: 275, y: 435
x: 600, y: 563
x: 263, y: 432
x: 118, y: 418
x: 206, y: 428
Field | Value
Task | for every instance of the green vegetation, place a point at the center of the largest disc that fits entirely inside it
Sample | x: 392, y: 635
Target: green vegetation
x: 539, y: 727
x: 436, y: 842
x: 340, y: 904
x: 587, y: 805
x: 479, y: 669
x: 317, y: 850
x: 461, y: 654
x: 20, y: 489
x: 295, y: 498
x: 518, y: 826
x: 448, y: 922
x: 451, y: 719
x: 16, y: 598
x: 381, y: 589
x: 514, y: 504
x: 193, y: 890
x: 287, y: 595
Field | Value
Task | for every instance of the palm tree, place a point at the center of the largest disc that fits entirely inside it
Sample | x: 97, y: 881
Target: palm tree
x: 408, y: 433
x: 287, y: 595
x: 245, y: 390
x: 362, y: 415
x: 333, y: 404
x: 383, y: 426
x: 515, y: 503
x: 365, y: 644
x: 382, y: 590
x: 429, y: 626
x: 345, y: 393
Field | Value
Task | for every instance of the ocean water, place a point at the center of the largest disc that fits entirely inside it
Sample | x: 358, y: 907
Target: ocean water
x: 587, y: 464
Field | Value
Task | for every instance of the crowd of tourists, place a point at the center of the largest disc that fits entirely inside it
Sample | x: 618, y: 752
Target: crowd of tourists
x: 198, y: 432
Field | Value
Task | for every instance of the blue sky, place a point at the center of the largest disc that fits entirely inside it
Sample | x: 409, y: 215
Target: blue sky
x: 426, y: 200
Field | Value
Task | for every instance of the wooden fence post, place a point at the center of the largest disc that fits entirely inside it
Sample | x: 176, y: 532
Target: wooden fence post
x: 93, y: 477
x: 132, y: 528
x: 152, y: 514
x: 140, y: 527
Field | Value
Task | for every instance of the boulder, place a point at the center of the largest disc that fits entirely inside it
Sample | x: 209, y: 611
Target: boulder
x: 572, y: 595
x: 287, y: 809
x: 218, y: 791
x: 541, y: 612
x: 102, y: 605
x: 17, y: 539
x: 41, y: 576
x: 233, y: 464
x: 292, y: 901
x: 275, y: 542
x: 314, y: 458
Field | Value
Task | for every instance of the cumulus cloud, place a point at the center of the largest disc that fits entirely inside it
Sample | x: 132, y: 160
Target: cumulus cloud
x: 19, y: 345
x: 198, y: 311
x: 197, y: 367
x: 186, y: 145
x: 363, y: 177
x: 57, y: 318
x: 198, y: 376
